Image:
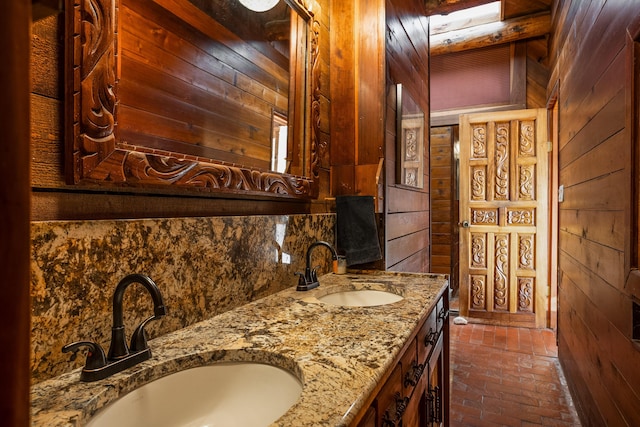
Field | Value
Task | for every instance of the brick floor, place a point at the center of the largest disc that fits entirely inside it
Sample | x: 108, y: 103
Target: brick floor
x: 507, y: 377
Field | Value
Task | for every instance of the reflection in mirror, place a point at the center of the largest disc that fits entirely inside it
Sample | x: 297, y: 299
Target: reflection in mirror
x: 202, y: 94
x: 410, y: 140
x: 279, y: 138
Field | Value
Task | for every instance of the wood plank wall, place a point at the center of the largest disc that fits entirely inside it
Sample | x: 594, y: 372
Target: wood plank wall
x: 444, y: 203
x: 589, y: 65
x: 407, y: 218
x: 52, y: 199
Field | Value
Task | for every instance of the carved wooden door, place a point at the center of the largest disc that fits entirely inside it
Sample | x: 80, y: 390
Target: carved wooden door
x: 503, y: 214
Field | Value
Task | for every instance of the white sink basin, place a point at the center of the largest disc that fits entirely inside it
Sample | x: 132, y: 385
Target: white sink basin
x: 226, y: 394
x: 360, y: 298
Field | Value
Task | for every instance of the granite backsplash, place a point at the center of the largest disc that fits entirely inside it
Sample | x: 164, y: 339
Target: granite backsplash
x: 203, y: 267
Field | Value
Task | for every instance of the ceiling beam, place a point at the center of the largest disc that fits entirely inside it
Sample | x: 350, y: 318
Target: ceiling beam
x: 445, y: 7
x: 490, y: 34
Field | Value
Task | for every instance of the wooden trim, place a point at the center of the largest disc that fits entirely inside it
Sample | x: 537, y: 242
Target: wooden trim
x: 632, y: 124
x: 15, y: 28
x: 93, y: 151
x: 552, y: 108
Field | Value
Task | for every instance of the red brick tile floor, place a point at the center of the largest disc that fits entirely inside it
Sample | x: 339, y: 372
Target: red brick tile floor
x: 505, y: 376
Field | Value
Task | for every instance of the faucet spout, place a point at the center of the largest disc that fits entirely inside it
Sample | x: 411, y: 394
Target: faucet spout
x: 334, y: 254
x: 309, y: 280
x: 118, y: 348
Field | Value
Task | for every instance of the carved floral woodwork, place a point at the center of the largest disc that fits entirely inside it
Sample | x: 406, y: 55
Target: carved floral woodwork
x: 520, y: 216
x: 525, y: 294
x: 478, y: 183
x: 527, y: 183
x: 478, y: 292
x: 478, y: 250
x: 484, y: 216
x: 502, y: 161
x: 526, y: 253
x: 501, y: 273
x: 527, y: 139
x: 479, y: 142
x: 93, y: 152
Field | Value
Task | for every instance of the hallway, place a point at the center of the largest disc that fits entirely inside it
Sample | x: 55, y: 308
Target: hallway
x: 507, y: 377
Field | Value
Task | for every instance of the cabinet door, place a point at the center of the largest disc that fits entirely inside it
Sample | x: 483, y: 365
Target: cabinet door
x: 391, y: 402
x: 435, y: 389
x: 416, y: 414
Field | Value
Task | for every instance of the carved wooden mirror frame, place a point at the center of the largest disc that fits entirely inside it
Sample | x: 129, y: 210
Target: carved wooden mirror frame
x: 93, y: 153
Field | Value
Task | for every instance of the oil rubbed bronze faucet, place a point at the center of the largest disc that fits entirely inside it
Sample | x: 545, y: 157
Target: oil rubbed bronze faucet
x: 309, y: 279
x: 120, y: 355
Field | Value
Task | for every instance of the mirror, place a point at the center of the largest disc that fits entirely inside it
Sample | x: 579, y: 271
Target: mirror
x: 193, y: 94
x: 410, y: 140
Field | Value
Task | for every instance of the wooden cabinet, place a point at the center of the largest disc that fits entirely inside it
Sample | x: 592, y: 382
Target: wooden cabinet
x: 416, y: 390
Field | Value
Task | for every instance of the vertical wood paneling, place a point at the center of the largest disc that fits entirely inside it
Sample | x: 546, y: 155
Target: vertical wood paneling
x: 444, y: 210
x: 587, y: 53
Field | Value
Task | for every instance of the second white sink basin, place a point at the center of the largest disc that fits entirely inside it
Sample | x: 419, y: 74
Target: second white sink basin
x: 226, y: 394
x: 360, y: 298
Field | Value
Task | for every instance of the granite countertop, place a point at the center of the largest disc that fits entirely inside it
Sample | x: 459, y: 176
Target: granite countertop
x: 338, y: 353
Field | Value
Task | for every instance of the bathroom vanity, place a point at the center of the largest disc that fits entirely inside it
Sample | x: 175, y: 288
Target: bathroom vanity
x: 358, y: 365
x: 416, y: 392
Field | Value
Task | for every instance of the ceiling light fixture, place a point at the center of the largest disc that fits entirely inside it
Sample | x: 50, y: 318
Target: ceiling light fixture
x: 259, y: 5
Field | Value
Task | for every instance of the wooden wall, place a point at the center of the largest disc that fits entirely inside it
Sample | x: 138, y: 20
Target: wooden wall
x: 407, y: 218
x: 53, y: 199
x: 444, y: 203
x: 589, y: 67
x: 357, y: 109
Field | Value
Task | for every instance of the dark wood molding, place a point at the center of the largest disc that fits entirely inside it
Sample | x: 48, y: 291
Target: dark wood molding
x: 15, y: 338
x: 93, y: 152
x: 632, y: 123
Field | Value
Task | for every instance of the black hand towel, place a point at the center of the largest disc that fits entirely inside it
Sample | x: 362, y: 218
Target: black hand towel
x: 357, y: 230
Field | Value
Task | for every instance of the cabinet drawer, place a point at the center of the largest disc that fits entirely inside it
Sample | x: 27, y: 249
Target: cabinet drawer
x: 411, y: 369
x: 427, y: 336
x: 442, y: 314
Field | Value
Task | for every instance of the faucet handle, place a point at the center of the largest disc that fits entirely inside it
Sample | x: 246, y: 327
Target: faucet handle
x: 302, y: 280
x: 139, y: 336
x: 314, y: 273
x: 95, y: 356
